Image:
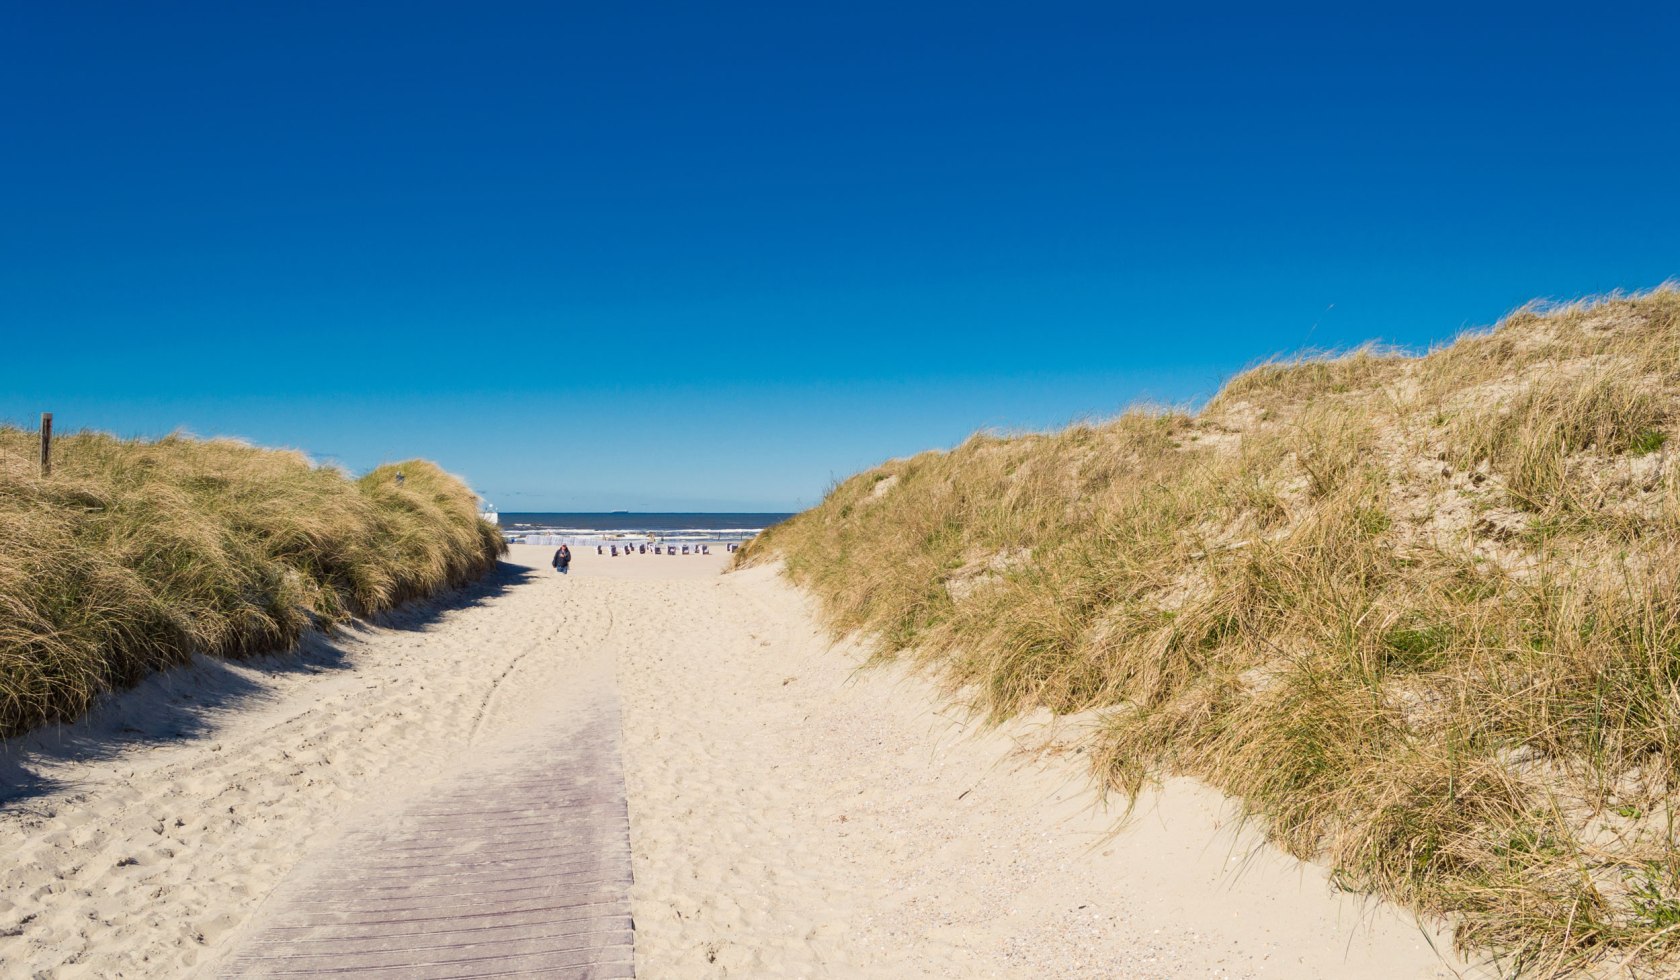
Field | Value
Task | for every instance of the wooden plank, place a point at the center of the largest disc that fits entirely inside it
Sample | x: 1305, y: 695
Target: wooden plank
x: 517, y: 866
x: 46, y: 444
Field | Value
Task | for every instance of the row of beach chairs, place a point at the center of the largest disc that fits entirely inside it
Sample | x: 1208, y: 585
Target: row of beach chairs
x: 670, y: 549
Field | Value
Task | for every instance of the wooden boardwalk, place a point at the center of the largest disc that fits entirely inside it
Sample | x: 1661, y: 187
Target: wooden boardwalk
x: 519, y: 867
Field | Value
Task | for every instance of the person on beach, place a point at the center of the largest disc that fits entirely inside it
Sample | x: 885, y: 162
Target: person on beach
x: 563, y: 559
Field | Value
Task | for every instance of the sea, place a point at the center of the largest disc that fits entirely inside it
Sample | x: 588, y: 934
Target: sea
x: 619, y: 527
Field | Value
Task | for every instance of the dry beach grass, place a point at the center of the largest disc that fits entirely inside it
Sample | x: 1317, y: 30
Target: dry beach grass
x: 136, y: 554
x: 1418, y: 613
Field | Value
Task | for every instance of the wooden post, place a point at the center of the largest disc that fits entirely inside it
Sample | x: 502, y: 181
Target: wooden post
x: 46, y: 444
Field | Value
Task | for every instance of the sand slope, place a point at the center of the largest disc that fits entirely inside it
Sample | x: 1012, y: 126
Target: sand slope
x: 794, y: 817
x: 789, y: 816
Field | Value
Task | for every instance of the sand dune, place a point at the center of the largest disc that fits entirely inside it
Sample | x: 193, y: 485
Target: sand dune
x: 790, y: 816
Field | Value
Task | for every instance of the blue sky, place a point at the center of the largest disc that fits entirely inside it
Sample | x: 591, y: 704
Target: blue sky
x: 670, y: 257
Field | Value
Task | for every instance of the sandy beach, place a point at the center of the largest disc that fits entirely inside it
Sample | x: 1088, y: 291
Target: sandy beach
x: 790, y: 814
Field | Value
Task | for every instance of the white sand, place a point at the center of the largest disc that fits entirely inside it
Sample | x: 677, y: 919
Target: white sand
x: 789, y: 816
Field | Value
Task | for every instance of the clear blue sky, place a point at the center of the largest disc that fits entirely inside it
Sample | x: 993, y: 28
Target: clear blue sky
x: 711, y: 256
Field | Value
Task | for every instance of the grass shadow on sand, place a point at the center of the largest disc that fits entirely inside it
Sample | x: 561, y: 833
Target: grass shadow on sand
x: 190, y: 701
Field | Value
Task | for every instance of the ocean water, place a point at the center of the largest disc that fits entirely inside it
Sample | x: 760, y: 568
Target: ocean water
x: 680, y: 529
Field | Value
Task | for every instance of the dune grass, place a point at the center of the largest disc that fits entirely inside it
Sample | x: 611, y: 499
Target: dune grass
x: 1419, y: 614
x: 134, y: 555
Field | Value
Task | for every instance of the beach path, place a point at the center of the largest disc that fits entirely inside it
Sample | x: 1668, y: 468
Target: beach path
x: 465, y: 789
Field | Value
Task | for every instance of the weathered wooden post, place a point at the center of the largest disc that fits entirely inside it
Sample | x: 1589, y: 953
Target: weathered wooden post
x: 46, y: 444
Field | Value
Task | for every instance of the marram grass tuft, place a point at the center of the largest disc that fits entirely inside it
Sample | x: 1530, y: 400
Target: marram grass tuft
x: 134, y: 555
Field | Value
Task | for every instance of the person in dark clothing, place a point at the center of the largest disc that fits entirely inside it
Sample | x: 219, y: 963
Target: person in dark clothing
x: 563, y: 559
